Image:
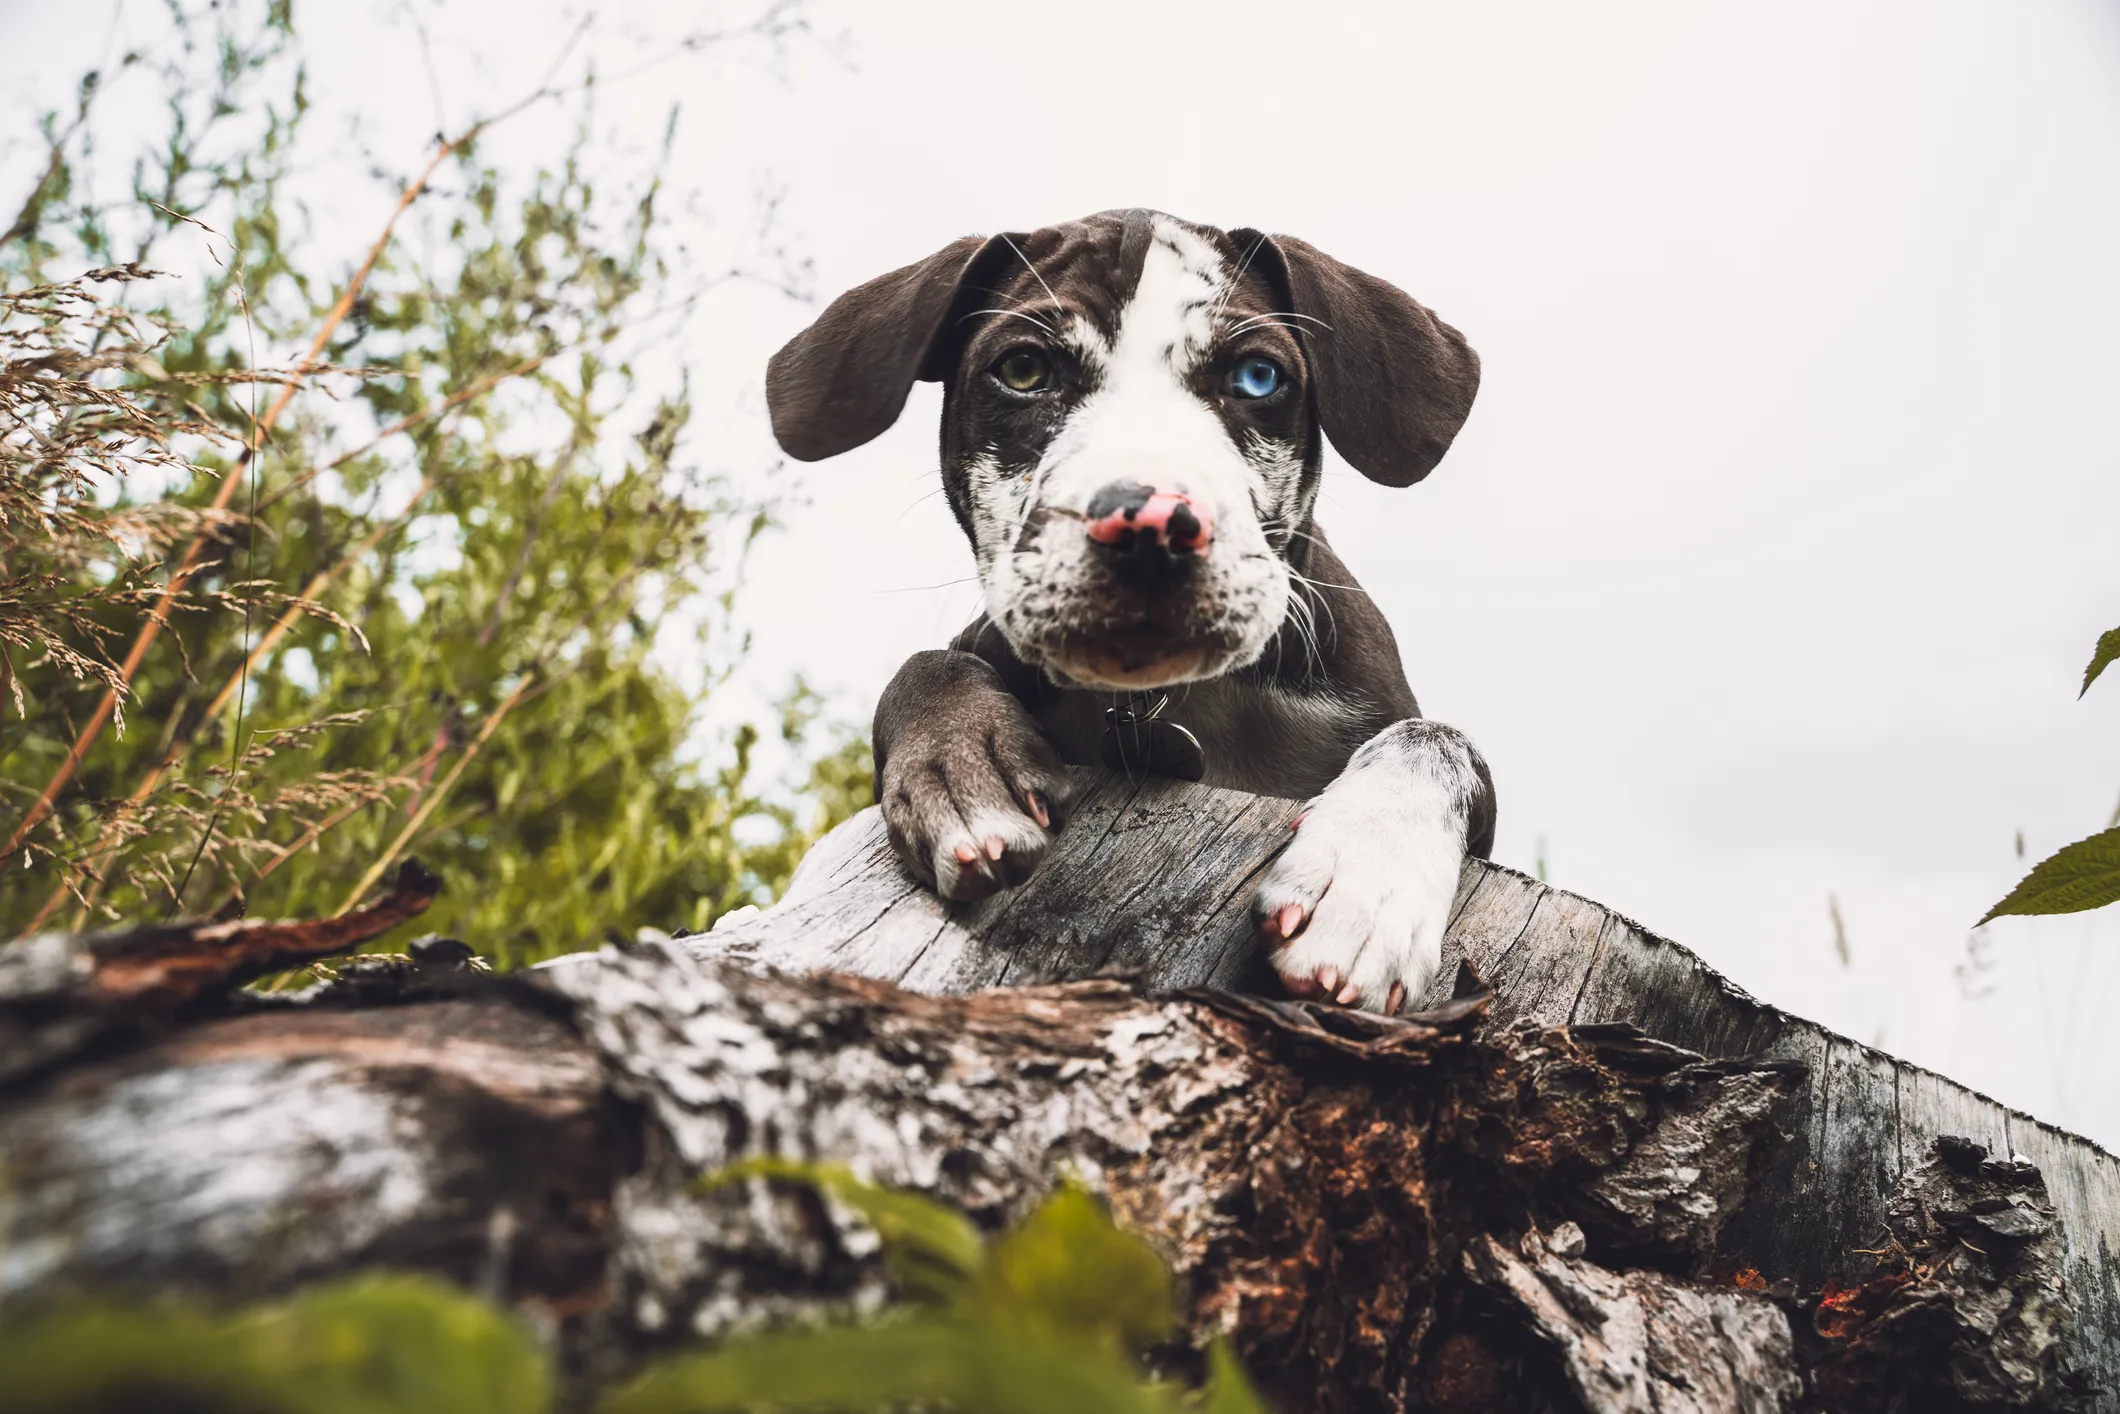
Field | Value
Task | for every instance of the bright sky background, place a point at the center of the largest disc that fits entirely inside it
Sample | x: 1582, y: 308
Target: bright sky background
x: 1767, y: 567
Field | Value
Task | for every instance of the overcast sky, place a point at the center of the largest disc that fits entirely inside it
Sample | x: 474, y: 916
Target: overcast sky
x: 1767, y: 566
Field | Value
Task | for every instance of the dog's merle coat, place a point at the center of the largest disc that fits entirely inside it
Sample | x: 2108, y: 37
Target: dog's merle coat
x: 1132, y: 431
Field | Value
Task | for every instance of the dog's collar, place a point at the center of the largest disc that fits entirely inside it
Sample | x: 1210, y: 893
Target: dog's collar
x: 1138, y: 741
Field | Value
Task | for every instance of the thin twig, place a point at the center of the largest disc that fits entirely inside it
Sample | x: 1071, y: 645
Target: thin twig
x: 409, y: 420
x: 180, y: 746
x: 435, y: 797
x: 530, y: 532
x: 158, y: 616
x: 523, y: 692
x: 319, y: 827
x: 250, y: 575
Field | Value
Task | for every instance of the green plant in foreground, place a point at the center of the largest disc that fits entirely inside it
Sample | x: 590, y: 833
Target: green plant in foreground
x: 1040, y: 1320
x: 1044, y: 1319
x: 373, y: 1345
x: 2086, y: 874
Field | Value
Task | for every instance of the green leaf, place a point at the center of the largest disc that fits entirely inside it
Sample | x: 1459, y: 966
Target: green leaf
x: 1068, y: 1272
x: 865, y: 1368
x: 2108, y: 649
x: 1229, y: 1389
x: 934, y: 1252
x: 402, y: 1344
x: 2083, y: 876
x: 388, y: 1345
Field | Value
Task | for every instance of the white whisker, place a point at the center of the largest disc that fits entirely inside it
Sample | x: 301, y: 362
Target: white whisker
x: 1332, y: 621
x: 1230, y: 288
x: 1032, y: 268
x: 1268, y: 324
x: 918, y: 503
x: 1305, y: 623
x: 1319, y: 583
x: 1277, y: 321
x: 926, y: 588
x: 1031, y: 319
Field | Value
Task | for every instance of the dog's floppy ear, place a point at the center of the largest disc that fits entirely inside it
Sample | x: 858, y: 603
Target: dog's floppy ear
x: 843, y: 381
x: 1393, y: 383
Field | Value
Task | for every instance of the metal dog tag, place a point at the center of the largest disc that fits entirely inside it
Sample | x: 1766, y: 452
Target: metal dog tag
x: 1140, y: 742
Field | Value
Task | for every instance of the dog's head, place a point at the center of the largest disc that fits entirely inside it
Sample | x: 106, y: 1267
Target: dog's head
x: 1131, y: 422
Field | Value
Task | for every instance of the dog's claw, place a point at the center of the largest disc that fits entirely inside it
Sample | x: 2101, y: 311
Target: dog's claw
x: 1287, y: 921
x: 1375, y: 869
x: 971, y: 796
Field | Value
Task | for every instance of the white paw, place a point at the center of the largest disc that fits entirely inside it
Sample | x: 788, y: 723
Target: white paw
x: 1354, y: 909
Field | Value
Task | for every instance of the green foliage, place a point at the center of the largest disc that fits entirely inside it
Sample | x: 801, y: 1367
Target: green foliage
x: 2075, y: 879
x: 2108, y: 649
x: 2086, y: 874
x: 435, y: 614
x: 375, y: 1345
x: 1038, y: 1321
x: 860, y: 1369
x: 1228, y: 1389
x: 1066, y: 1273
x: 933, y: 1253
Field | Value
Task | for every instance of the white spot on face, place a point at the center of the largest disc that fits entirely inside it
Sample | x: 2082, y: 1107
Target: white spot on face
x: 998, y: 502
x: 1278, y: 469
x: 1144, y: 423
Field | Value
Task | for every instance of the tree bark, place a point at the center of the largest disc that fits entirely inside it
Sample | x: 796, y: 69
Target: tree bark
x: 1611, y: 1183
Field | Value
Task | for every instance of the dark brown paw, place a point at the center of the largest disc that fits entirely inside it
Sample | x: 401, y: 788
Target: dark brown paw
x: 971, y: 810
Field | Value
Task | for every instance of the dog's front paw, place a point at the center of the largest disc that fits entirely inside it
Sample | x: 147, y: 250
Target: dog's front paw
x: 1354, y: 909
x: 971, y: 805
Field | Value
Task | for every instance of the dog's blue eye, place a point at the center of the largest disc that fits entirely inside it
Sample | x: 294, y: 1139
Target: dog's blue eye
x: 1254, y: 377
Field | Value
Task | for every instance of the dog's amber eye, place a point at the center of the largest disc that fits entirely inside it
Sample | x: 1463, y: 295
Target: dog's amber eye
x: 1023, y: 370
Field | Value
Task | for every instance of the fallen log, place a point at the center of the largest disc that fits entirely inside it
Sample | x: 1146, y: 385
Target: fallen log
x: 1515, y: 1199
x: 62, y: 992
x: 1153, y: 879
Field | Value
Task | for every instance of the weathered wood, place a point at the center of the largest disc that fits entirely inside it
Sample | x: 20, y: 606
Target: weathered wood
x: 2083, y: 1181
x: 1380, y: 1211
x: 1150, y: 878
x: 249, y: 1153
x: 1638, y: 1340
x: 1184, y: 857
x: 1312, y: 1175
x: 62, y: 992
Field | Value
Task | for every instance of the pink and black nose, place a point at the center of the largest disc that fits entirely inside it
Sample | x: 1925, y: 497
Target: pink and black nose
x: 1144, y: 528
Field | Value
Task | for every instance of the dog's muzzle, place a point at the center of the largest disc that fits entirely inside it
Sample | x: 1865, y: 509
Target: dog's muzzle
x: 1143, y: 599
x: 1148, y: 533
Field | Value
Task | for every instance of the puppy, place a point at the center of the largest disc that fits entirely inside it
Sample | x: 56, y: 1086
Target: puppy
x: 1134, y: 416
